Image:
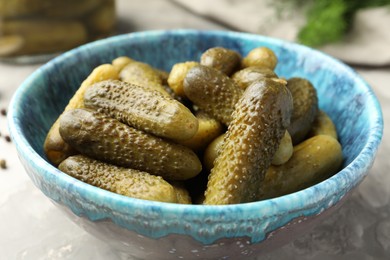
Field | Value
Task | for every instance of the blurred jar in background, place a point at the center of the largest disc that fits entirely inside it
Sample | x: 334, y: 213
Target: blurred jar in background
x: 36, y: 30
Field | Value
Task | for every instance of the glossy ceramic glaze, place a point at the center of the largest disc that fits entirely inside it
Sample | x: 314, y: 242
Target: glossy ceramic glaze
x: 154, y: 230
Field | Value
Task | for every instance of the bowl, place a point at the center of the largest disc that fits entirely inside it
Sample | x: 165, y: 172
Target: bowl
x: 157, y: 230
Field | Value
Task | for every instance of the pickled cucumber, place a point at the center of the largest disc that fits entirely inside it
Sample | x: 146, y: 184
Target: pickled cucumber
x: 103, y: 138
x: 127, y: 182
x: 305, y: 108
x: 261, y: 57
x: 259, y: 122
x: 282, y: 154
x: 144, y: 109
x: 177, y: 76
x: 122, y: 61
x: 136, y: 130
x: 313, y: 160
x: 139, y: 72
x: 222, y: 59
x: 142, y: 74
x: 55, y: 148
x: 213, y: 92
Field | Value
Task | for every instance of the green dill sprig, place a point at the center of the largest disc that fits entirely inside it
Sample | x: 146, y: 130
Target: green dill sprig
x: 327, y: 21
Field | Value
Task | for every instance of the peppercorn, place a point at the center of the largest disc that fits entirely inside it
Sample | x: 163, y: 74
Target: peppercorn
x: 3, y: 164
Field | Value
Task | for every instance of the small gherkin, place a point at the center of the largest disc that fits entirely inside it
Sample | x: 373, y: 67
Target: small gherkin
x: 305, y: 102
x: 142, y: 74
x: 142, y: 108
x: 139, y: 73
x: 212, y: 91
x: 222, y: 59
x: 313, y: 160
x: 104, y: 138
x: 127, y: 182
x: 259, y: 122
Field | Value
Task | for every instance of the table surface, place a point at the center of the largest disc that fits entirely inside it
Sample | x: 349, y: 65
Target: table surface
x: 31, y: 227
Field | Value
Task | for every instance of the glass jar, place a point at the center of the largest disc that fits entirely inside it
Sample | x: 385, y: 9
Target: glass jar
x: 36, y: 30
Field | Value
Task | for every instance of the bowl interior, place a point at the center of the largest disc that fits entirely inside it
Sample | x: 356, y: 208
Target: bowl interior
x: 342, y: 94
x: 348, y: 100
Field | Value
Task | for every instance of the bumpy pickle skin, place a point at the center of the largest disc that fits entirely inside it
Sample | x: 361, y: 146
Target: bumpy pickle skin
x: 123, y: 181
x: 55, y: 148
x: 259, y: 122
x: 213, y: 92
x: 313, y: 160
x: 104, y: 138
x: 144, y: 109
x: 305, y: 108
x: 222, y: 59
x: 282, y: 154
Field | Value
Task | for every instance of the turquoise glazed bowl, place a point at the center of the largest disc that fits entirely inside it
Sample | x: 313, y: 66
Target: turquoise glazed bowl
x: 155, y: 230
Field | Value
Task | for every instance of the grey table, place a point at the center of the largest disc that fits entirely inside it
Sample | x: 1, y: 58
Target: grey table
x: 31, y: 227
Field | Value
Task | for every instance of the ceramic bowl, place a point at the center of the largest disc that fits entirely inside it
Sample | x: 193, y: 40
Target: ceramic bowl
x: 155, y: 230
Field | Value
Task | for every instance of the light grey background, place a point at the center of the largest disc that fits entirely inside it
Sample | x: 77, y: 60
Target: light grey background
x: 31, y: 227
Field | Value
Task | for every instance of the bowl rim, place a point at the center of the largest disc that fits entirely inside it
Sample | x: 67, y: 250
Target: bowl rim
x: 312, y: 196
